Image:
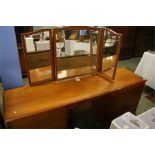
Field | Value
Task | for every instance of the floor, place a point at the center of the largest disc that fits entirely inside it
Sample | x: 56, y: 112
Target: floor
x: 131, y: 64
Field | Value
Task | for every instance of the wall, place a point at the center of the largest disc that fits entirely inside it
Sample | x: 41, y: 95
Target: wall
x: 0, y: 63
x: 10, y: 71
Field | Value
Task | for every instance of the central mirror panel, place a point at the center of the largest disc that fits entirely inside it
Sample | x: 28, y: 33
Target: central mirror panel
x: 76, y: 49
x: 38, y: 54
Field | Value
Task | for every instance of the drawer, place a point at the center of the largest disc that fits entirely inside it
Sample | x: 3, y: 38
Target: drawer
x: 54, y: 119
x: 112, y: 105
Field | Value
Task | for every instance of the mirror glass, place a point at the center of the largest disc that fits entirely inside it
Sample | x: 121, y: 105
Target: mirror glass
x: 75, y: 52
x: 109, y: 53
x: 38, y: 53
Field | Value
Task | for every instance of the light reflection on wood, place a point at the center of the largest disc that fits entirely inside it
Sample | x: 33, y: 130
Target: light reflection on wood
x: 44, y: 73
x: 108, y: 62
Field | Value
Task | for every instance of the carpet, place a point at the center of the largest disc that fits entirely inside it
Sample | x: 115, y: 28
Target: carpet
x: 151, y: 97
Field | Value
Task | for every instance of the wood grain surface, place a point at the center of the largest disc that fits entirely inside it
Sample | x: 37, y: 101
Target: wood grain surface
x: 26, y: 101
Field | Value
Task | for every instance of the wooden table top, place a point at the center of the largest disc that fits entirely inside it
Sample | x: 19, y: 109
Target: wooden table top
x: 27, y: 100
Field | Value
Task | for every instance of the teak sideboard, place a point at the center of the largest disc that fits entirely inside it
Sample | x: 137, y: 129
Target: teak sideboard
x: 47, y: 106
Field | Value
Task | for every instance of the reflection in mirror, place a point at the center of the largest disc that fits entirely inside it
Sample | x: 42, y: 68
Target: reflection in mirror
x: 75, y: 52
x: 110, y: 52
x: 38, y: 56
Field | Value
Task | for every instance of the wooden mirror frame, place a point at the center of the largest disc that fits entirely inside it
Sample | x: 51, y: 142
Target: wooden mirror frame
x: 101, y: 52
x: 92, y: 29
x: 23, y: 35
x: 53, y: 56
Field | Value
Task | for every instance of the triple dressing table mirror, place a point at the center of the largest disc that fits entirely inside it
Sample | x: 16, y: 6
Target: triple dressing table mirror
x: 71, y: 52
x: 38, y: 55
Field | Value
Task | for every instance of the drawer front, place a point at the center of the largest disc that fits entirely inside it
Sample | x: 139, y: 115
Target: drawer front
x: 117, y: 103
x: 54, y: 119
